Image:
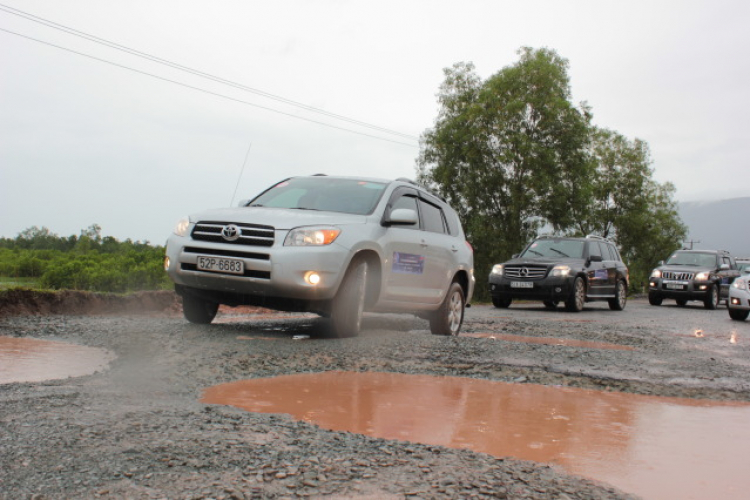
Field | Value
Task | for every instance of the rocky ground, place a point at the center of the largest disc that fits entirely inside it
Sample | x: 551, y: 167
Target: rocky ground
x: 138, y: 430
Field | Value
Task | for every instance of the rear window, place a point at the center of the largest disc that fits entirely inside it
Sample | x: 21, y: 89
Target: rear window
x: 350, y: 196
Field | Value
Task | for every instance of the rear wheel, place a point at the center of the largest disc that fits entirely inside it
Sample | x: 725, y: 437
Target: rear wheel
x: 501, y: 303
x: 198, y: 310
x: 447, y: 320
x: 738, y: 314
x: 349, y: 304
x: 621, y: 297
x: 577, y: 296
x: 712, y: 301
x: 654, y: 299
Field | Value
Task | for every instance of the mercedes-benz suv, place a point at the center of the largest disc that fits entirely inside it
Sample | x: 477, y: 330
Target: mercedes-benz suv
x: 703, y: 275
x: 555, y: 269
x: 336, y: 246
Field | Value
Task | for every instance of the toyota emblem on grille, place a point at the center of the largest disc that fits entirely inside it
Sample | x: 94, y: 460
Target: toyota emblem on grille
x: 231, y: 232
x: 524, y: 271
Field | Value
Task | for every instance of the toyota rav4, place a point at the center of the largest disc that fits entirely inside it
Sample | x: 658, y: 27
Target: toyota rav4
x: 335, y: 246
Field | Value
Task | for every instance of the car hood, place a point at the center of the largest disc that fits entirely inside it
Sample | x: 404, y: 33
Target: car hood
x: 278, y: 218
x: 684, y: 269
x: 543, y: 261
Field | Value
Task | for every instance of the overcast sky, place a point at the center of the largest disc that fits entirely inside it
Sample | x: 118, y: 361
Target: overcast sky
x: 84, y: 141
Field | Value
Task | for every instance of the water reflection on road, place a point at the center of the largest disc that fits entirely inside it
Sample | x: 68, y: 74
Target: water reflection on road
x: 658, y: 448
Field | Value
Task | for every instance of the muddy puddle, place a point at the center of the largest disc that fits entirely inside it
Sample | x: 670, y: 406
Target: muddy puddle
x: 658, y: 448
x: 548, y: 341
x: 34, y: 360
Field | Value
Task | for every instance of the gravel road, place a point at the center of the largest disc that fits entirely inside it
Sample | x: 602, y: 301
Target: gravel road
x: 137, y: 430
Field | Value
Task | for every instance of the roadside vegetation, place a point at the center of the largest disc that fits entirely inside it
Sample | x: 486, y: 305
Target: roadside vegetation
x: 38, y: 258
x: 515, y: 157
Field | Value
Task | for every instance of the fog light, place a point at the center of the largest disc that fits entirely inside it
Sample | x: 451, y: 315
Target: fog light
x: 166, y: 263
x: 702, y: 287
x: 735, y: 301
x: 652, y: 284
x: 312, y: 277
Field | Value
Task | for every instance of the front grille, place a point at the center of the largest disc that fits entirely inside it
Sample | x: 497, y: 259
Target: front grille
x: 248, y: 234
x: 266, y: 275
x: 525, y: 272
x: 674, y: 275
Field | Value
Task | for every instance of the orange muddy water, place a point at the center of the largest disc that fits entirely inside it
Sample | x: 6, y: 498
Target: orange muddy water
x: 658, y: 448
x: 33, y: 360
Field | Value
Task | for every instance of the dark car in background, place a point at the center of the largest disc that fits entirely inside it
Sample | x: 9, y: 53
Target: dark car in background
x: 702, y: 275
x: 554, y: 269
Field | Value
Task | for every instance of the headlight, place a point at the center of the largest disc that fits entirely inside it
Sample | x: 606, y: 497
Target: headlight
x: 311, y: 236
x: 740, y: 284
x: 560, y: 271
x: 656, y: 273
x: 497, y: 269
x: 702, y: 276
x: 182, y: 226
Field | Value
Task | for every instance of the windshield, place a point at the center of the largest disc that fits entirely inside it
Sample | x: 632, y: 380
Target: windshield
x: 692, y: 259
x: 555, y: 249
x: 350, y: 196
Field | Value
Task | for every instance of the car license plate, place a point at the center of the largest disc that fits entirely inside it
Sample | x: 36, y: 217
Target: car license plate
x: 521, y: 284
x: 220, y: 265
x: 675, y: 286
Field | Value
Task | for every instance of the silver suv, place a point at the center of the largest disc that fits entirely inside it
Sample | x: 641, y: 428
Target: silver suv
x: 336, y: 246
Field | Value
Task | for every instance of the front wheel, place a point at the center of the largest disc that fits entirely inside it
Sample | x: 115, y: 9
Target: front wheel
x: 738, y: 314
x: 198, y: 310
x: 654, y: 299
x: 577, y: 297
x: 447, y: 320
x: 349, y: 304
x: 621, y: 297
x: 712, y: 301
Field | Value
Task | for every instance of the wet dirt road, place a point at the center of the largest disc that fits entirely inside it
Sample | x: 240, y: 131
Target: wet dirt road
x: 139, y: 430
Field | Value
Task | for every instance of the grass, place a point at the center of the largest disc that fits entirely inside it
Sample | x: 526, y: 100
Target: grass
x: 10, y: 282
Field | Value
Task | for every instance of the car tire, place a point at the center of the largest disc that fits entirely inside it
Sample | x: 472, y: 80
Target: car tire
x: 447, y: 320
x: 681, y: 302
x: 577, y: 296
x: 197, y: 310
x: 501, y: 302
x: 712, y: 302
x: 348, y: 305
x: 738, y: 314
x: 654, y: 299
x: 551, y: 304
x: 621, y: 297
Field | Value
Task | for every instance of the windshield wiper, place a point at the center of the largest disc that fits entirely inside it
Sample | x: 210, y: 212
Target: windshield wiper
x: 534, y: 251
x: 560, y: 252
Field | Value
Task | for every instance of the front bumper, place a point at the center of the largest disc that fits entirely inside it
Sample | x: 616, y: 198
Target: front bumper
x: 679, y: 289
x: 277, y: 271
x: 549, y: 288
x: 739, y: 299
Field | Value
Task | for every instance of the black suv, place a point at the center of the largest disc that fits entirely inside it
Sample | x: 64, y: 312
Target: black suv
x: 557, y: 269
x: 703, y: 275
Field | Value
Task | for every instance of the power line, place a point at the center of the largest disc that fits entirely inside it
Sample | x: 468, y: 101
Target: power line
x: 165, y: 62
x: 223, y: 96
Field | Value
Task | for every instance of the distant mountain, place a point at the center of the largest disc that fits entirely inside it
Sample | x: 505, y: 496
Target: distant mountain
x: 719, y: 225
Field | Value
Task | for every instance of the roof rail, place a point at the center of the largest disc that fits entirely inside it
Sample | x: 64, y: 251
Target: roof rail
x: 406, y: 179
x: 596, y: 237
x: 319, y: 175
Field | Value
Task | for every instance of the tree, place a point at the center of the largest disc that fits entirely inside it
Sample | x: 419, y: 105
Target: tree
x: 508, y: 153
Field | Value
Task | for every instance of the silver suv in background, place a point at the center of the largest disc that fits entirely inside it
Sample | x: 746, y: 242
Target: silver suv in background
x: 336, y: 246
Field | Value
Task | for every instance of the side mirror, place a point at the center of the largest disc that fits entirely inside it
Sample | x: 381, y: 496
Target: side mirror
x: 515, y: 255
x: 595, y: 258
x: 661, y: 262
x: 242, y: 203
x: 403, y: 217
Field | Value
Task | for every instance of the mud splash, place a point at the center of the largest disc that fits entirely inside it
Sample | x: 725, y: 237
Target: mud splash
x: 660, y: 448
x: 33, y: 360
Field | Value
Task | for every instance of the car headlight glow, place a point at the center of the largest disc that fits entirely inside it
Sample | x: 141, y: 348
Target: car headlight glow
x: 740, y: 284
x: 702, y: 276
x: 656, y: 273
x: 560, y: 270
x: 497, y: 269
x: 182, y: 226
x: 311, y: 236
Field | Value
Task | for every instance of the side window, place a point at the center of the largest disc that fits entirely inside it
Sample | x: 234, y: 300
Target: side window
x: 409, y: 202
x: 613, y: 253
x: 594, y: 249
x: 432, y: 217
